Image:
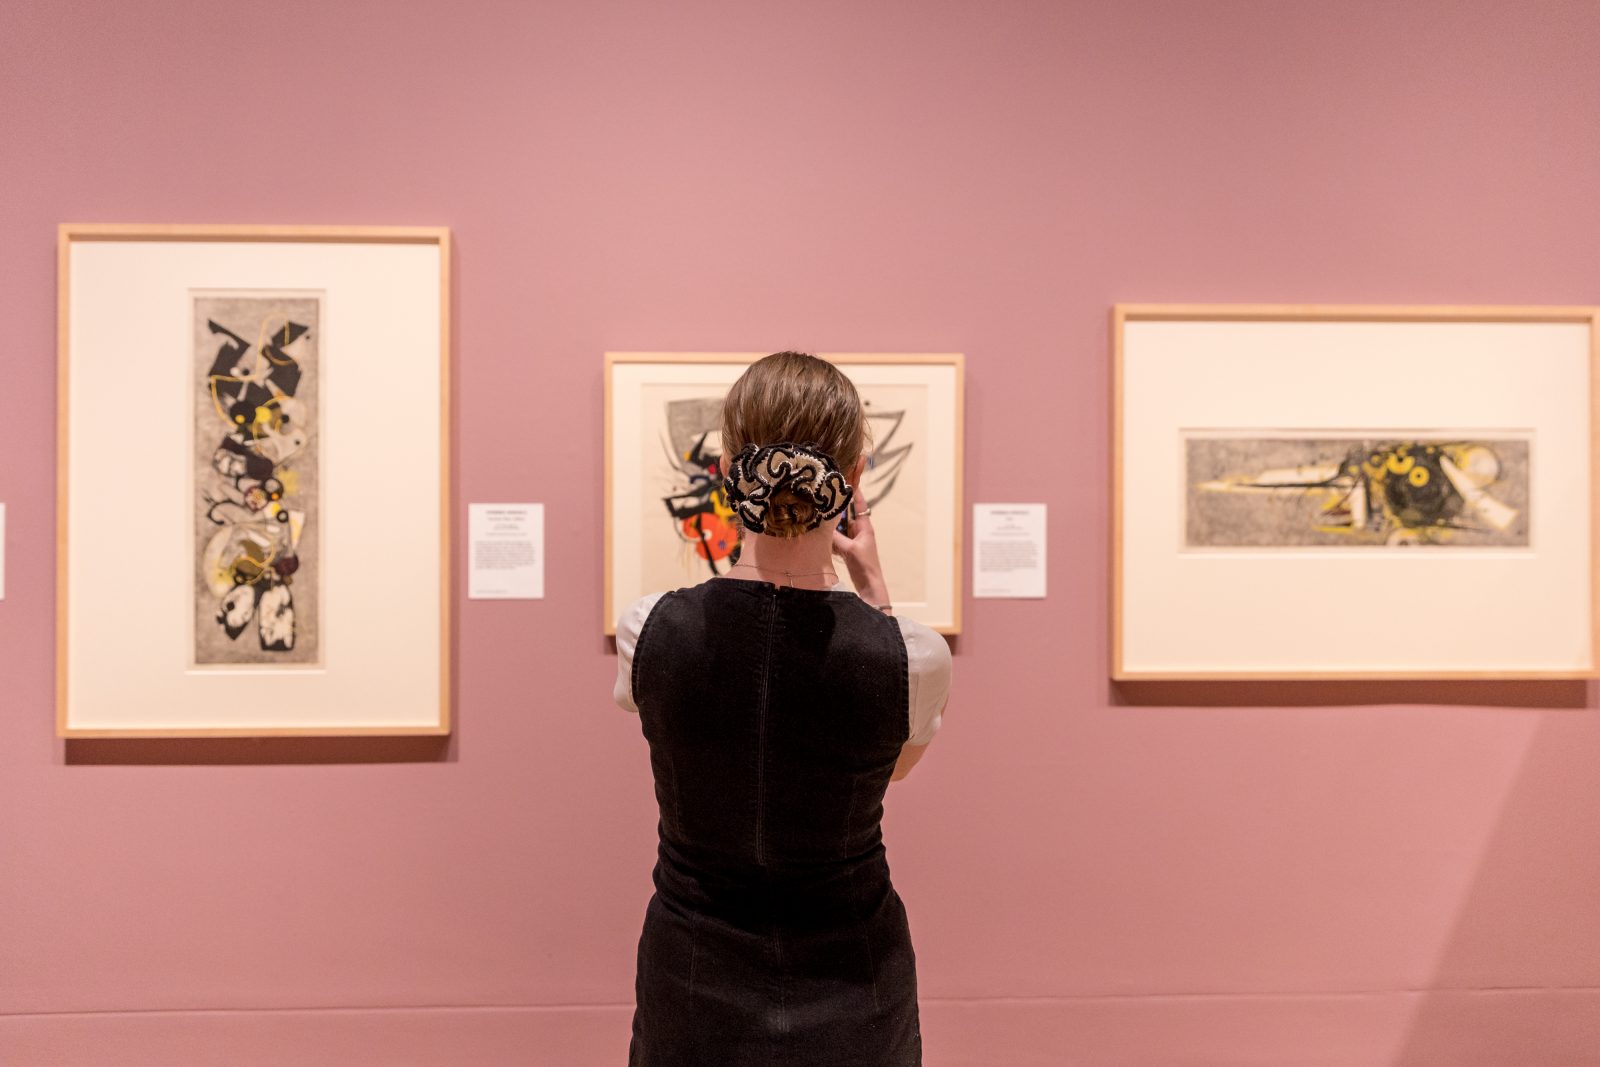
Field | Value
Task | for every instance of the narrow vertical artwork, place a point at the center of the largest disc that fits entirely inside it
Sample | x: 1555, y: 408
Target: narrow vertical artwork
x: 256, y: 478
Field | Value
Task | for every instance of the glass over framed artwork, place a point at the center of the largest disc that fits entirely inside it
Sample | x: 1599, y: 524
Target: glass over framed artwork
x: 1354, y: 492
x: 668, y: 524
x: 252, y: 481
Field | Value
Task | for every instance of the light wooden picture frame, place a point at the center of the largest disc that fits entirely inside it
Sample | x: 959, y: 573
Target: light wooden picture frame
x: 1354, y: 492
x: 253, y: 481
x: 662, y: 412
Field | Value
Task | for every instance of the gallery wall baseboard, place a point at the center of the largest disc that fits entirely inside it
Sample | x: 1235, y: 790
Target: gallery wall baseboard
x: 338, y: 1037
x: 1458, y: 1028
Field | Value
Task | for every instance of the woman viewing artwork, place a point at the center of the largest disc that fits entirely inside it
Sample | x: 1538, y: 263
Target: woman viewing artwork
x: 778, y: 707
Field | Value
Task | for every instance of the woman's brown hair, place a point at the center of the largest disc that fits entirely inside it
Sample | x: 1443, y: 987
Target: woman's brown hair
x: 791, y: 396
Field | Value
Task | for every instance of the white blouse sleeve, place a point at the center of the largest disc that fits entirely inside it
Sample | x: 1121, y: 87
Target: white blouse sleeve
x: 628, y: 628
x: 928, y: 668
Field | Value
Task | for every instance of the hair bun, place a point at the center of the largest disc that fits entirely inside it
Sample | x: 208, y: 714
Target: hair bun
x: 785, y: 489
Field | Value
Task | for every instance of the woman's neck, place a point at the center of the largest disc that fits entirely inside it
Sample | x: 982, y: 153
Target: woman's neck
x: 805, y: 561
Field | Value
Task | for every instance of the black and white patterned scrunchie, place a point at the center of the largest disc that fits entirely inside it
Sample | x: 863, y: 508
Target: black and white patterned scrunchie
x: 757, y: 474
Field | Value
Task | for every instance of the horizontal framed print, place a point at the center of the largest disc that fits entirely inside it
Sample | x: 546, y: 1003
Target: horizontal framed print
x: 1354, y: 492
x: 668, y: 524
x: 253, y: 481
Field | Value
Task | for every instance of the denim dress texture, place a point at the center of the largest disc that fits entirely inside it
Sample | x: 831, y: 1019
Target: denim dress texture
x: 774, y: 937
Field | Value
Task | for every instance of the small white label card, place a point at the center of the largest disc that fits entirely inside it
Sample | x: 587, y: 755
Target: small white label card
x: 506, y: 542
x: 1008, y: 550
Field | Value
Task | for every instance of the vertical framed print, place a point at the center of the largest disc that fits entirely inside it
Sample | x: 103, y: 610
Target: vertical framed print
x: 668, y: 525
x: 1354, y: 492
x: 253, y: 481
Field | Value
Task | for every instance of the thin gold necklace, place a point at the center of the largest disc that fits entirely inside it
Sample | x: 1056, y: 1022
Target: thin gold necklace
x: 791, y: 575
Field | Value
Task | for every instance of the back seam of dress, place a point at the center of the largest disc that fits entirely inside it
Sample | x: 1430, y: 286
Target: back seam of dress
x: 761, y: 731
x: 866, y: 939
x: 849, y: 818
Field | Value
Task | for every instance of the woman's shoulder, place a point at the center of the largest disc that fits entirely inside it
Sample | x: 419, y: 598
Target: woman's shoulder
x: 631, y: 622
x: 927, y: 651
x: 928, y: 666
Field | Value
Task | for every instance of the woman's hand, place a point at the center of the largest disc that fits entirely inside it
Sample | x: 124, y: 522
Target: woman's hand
x: 859, y: 550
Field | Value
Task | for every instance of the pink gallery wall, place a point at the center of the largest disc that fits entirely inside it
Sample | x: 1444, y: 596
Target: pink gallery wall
x: 1097, y: 875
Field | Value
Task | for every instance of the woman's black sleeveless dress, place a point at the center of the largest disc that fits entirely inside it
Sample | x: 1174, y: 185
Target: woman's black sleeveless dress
x: 774, y: 717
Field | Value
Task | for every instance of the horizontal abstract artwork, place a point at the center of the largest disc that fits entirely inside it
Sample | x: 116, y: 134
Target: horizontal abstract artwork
x: 1397, y: 490
x: 1318, y: 493
x: 257, y: 478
